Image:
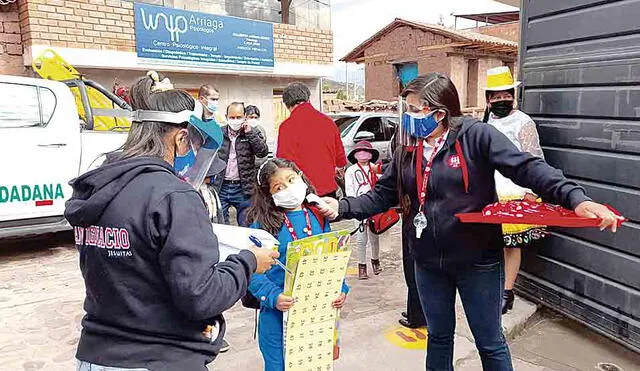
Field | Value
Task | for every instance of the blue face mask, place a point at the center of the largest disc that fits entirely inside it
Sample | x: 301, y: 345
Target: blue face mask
x: 182, y: 163
x: 419, y: 125
x: 212, y: 105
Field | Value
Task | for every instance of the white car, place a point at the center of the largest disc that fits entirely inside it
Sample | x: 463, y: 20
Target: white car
x: 43, y: 145
x: 375, y: 127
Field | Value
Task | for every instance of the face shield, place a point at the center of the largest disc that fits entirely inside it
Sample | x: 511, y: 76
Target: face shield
x: 205, y: 138
x: 405, y: 131
x: 415, y: 125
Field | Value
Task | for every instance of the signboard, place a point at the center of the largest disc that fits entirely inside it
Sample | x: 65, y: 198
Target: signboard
x: 180, y: 37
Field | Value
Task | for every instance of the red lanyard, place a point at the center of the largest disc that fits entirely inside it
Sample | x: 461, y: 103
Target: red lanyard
x: 292, y: 231
x: 422, y: 180
x: 368, y: 176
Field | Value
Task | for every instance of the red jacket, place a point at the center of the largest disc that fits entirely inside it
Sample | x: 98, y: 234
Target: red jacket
x: 312, y: 140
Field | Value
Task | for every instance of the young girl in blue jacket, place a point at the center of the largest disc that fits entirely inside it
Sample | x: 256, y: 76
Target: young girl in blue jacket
x: 279, y: 207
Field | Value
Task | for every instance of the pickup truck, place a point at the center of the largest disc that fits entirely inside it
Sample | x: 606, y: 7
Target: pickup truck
x: 43, y: 145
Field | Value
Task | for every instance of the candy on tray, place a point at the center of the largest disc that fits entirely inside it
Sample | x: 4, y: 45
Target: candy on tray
x: 525, y: 212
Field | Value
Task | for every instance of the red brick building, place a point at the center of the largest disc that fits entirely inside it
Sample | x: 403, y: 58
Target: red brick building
x: 464, y: 55
x: 98, y: 37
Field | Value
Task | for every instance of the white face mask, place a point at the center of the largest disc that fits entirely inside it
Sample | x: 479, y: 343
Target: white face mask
x: 291, y: 197
x: 253, y: 122
x: 235, y: 124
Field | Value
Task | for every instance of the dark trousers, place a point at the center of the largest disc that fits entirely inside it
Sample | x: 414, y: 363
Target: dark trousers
x: 480, y: 288
x: 415, y: 315
x: 231, y: 194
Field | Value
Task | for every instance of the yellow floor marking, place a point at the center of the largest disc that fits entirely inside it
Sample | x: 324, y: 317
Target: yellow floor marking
x: 407, y: 338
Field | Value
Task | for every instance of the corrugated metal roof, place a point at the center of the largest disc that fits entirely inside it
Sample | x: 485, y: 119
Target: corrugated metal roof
x: 493, y: 17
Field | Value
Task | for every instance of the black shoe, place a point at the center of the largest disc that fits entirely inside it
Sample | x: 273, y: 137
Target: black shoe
x: 225, y: 346
x: 404, y: 314
x: 507, y: 301
x: 377, y: 269
x: 408, y: 324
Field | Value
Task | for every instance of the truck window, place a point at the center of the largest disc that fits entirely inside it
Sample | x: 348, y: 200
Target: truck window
x: 373, y: 125
x: 30, y: 106
x: 389, y: 127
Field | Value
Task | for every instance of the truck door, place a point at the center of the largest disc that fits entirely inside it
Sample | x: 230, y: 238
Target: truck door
x: 40, y: 149
x: 580, y: 66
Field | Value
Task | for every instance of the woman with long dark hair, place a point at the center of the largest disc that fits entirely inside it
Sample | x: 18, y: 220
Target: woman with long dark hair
x: 155, y: 288
x: 445, y: 166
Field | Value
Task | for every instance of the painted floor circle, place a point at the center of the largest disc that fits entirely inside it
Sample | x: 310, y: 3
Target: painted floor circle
x: 407, y: 338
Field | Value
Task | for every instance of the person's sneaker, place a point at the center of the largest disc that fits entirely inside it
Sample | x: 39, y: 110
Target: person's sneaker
x: 375, y: 264
x: 362, y: 272
x: 225, y: 346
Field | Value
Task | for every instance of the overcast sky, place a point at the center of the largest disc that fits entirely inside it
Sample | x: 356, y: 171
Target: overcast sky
x: 354, y: 21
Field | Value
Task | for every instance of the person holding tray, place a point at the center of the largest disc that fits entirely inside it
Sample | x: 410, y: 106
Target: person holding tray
x: 444, y: 165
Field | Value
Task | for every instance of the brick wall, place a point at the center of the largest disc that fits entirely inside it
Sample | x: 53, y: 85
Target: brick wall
x: 507, y: 31
x: 434, y: 62
x: 380, y: 82
x: 11, y: 62
x: 403, y: 42
x: 398, y: 46
x: 302, y: 45
x: 109, y: 25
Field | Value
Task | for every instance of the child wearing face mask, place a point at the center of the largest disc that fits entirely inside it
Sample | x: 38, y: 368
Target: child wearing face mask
x: 279, y: 207
x: 360, y: 179
x: 521, y: 130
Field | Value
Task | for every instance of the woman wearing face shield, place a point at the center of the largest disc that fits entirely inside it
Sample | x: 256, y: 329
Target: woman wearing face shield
x: 445, y: 165
x: 155, y: 288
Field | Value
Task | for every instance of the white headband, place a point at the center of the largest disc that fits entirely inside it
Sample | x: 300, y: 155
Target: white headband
x: 260, y: 170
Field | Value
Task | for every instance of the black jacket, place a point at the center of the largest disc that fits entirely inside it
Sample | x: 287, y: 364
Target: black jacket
x: 462, y: 180
x: 248, y: 146
x: 149, y: 260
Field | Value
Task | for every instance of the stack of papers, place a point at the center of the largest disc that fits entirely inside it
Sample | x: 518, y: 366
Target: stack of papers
x: 232, y: 239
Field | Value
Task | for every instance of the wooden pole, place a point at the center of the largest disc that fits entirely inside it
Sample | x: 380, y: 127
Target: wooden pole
x: 285, y: 5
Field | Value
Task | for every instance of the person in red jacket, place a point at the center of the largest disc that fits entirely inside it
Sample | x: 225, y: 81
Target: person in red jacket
x: 311, y: 140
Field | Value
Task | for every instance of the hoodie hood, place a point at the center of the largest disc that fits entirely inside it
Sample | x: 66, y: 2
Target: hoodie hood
x: 93, y: 191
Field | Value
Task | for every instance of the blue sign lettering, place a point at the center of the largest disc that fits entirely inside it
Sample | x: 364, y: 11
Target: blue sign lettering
x: 189, y: 38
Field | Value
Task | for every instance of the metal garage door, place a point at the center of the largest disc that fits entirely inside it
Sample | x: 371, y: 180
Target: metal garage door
x: 580, y: 61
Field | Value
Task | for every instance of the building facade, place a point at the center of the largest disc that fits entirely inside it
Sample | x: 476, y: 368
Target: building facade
x: 240, y: 46
x: 404, y: 49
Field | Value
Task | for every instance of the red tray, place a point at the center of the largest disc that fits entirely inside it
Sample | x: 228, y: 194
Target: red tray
x: 571, y: 221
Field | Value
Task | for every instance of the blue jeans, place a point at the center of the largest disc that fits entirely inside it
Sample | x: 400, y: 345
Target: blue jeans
x: 480, y: 288
x: 233, y: 195
x: 86, y: 366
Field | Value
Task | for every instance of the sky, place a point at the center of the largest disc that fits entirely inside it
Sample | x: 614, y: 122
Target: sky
x: 354, y: 21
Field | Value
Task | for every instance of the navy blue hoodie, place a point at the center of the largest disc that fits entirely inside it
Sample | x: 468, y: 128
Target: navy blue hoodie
x: 149, y: 260
x: 462, y: 180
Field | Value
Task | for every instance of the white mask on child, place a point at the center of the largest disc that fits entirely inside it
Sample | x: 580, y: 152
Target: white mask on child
x: 291, y: 197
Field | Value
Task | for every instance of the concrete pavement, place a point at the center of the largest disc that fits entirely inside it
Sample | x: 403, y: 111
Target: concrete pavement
x: 369, y: 326
x: 41, y: 293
